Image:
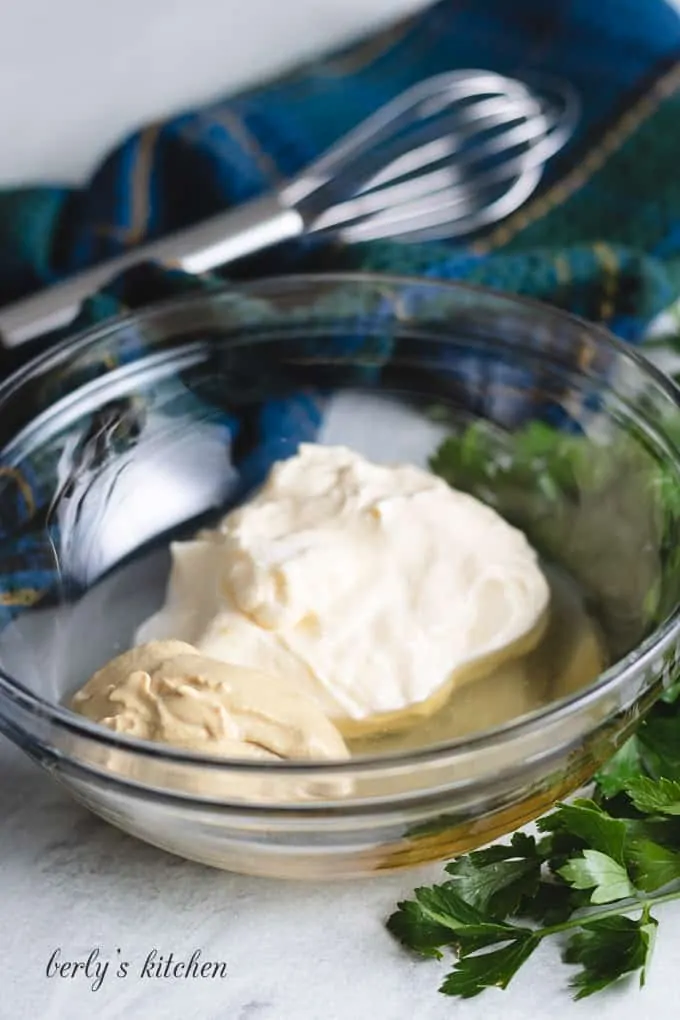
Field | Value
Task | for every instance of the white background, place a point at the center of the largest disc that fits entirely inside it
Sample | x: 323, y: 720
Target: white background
x: 76, y: 75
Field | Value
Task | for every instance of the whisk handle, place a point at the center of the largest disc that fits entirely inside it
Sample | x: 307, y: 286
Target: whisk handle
x: 214, y: 242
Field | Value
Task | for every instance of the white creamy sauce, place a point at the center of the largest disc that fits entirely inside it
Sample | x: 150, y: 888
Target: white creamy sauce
x: 377, y: 588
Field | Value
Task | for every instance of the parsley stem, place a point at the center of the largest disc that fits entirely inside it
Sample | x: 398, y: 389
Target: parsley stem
x: 614, y: 910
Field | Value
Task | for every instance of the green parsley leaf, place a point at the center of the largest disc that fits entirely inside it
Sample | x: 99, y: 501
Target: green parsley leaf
x: 499, y: 879
x: 553, y: 903
x: 608, y: 949
x: 661, y: 796
x: 654, y: 752
x: 520, y: 845
x: 411, y: 926
x: 473, y: 974
x: 594, y: 870
x: 671, y: 693
x: 659, y: 736
x: 470, y: 928
x: 652, y: 866
x: 624, y: 766
x: 440, y: 917
x: 588, y: 822
x: 443, y: 905
x: 648, y: 928
x: 536, y: 454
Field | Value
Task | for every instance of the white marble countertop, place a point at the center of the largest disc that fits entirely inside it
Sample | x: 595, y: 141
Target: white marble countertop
x: 74, y: 76
x: 292, y: 951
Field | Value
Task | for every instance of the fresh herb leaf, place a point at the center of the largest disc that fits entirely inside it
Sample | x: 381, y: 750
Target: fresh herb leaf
x: 648, y: 928
x: 672, y: 690
x: 440, y: 917
x: 608, y: 949
x: 537, y: 453
x: 443, y: 905
x: 652, y: 866
x: 594, y: 870
x: 470, y: 928
x: 588, y: 822
x: 520, y: 846
x: 472, y: 974
x: 654, y: 751
x: 411, y: 926
x: 500, y: 879
x: 553, y: 904
x: 659, y: 735
x: 624, y: 766
x: 661, y: 796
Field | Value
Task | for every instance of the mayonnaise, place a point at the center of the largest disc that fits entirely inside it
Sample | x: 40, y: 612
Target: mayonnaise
x: 376, y: 589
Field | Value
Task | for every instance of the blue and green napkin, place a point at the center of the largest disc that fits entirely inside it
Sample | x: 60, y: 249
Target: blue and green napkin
x: 600, y: 238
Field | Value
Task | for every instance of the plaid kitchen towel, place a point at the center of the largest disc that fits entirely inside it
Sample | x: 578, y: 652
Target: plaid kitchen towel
x: 601, y: 237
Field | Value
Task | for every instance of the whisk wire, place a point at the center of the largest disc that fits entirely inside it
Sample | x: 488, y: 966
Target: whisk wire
x: 447, y: 156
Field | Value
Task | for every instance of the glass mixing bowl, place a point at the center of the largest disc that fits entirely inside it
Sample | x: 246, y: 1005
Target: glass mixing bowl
x: 141, y: 430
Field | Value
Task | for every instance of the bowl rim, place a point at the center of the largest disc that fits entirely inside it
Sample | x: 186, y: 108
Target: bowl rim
x: 615, y: 676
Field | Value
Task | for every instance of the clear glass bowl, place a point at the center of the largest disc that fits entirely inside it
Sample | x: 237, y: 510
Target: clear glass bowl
x: 140, y: 430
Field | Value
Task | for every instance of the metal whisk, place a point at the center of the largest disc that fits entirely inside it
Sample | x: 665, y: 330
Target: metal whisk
x: 445, y: 159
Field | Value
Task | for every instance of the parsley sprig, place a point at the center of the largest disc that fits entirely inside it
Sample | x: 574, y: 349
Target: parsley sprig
x: 590, y: 878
